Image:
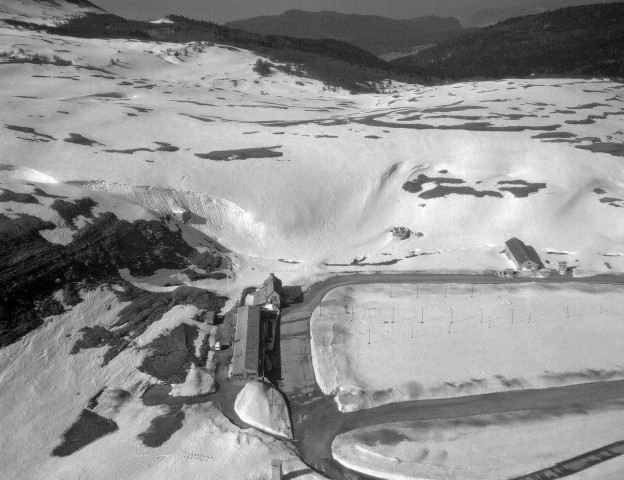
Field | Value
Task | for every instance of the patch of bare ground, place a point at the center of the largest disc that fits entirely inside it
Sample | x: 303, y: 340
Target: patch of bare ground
x: 30, y: 131
x: 416, y: 185
x: 146, y: 308
x: 171, y: 354
x: 615, y: 149
x: 69, y: 211
x: 7, y: 195
x: 78, y: 139
x: 162, y: 147
x: 241, y: 154
x: 521, y: 188
x: 440, y: 191
x: 554, y: 135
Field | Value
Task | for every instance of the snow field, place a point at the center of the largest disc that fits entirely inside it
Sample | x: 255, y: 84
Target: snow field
x: 378, y: 344
x: 340, y: 188
x: 486, y: 447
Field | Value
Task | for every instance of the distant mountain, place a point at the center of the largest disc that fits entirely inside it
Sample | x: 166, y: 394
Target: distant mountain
x: 375, y: 34
x: 585, y: 40
x: 46, y: 11
x: 499, y: 13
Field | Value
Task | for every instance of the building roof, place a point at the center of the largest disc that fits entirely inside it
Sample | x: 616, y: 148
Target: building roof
x: 247, y: 340
x: 270, y: 286
x: 521, y: 253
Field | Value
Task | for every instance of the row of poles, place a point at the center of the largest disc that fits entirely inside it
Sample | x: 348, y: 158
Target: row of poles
x: 418, y: 295
x: 452, y: 320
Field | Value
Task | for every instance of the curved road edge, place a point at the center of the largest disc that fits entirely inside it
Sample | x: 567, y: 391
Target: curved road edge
x: 316, y: 419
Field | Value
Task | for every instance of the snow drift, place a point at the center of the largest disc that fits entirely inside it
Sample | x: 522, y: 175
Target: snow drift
x: 220, y: 219
x: 262, y: 406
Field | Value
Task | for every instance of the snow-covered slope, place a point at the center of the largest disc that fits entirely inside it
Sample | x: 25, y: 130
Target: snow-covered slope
x: 44, y: 388
x: 114, y: 381
x: 45, y: 12
x: 280, y: 168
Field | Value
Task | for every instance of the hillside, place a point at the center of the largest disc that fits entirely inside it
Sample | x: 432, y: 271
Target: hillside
x: 334, y: 62
x: 585, y: 40
x: 47, y: 12
x: 503, y: 10
x: 193, y: 126
x: 375, y: 34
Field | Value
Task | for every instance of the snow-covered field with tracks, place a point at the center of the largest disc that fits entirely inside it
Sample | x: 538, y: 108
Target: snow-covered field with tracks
x: 378, y: 344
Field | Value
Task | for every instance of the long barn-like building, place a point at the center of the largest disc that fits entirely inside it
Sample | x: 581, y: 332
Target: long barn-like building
x: 525, y: 257
x: 247, y: 354
x: 256, y: 331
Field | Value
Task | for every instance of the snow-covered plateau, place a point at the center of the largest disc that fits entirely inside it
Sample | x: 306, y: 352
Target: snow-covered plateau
x: 197, y: 177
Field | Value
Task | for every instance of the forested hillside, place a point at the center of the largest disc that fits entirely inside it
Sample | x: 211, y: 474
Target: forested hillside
x: 586, y: 40
x: 375, y: 34
x: 337, y: 63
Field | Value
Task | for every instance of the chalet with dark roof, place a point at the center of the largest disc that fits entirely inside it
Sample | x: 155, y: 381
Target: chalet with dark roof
x: 270, y: 293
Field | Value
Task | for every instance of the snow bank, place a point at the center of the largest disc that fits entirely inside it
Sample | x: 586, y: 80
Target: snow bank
x: 161, y: 20
x: 485, y: 447
x: 220, y: 219
x: 379, y: 344
x: 262, y: 406
x: 24, y: 173
x: 199, y: 381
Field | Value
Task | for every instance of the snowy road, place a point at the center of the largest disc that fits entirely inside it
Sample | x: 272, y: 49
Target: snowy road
x: 317, y: 421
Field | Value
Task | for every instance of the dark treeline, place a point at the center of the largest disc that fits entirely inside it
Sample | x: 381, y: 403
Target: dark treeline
x: 577, y: 41
x: 334, y: 62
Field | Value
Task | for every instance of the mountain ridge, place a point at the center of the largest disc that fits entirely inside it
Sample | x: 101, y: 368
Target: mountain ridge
x: 47, y: 12
x: 499, y: 13
x: 374, y: 33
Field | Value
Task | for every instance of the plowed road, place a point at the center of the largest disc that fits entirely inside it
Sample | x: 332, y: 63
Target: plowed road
x: 317, y: 421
